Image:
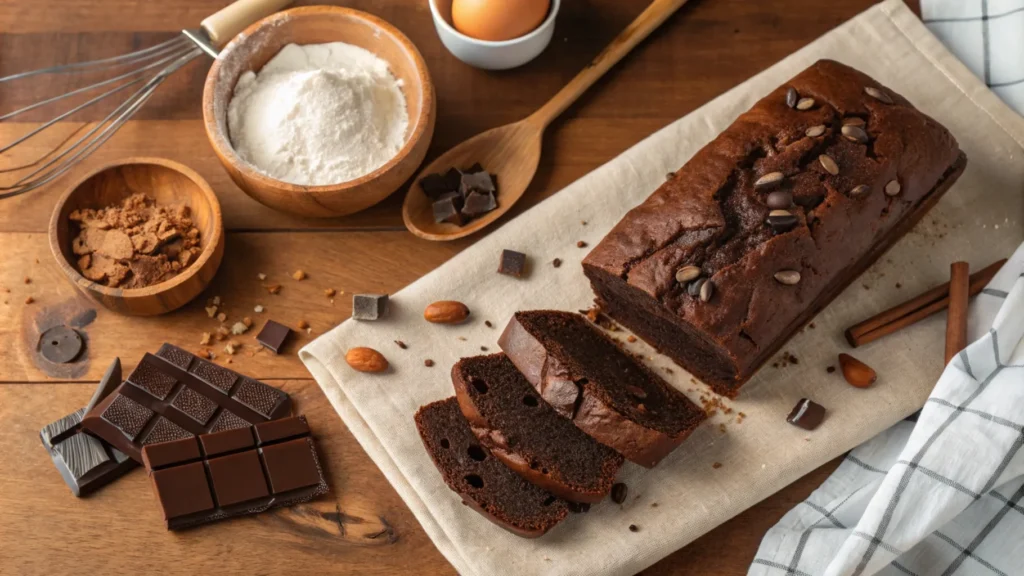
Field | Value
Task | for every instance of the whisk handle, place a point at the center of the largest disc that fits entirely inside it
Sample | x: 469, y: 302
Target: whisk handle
x: 222, y: 26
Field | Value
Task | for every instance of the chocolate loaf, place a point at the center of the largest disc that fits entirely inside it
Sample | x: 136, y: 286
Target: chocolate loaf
x: 771, y: 220
x: 604, y: 391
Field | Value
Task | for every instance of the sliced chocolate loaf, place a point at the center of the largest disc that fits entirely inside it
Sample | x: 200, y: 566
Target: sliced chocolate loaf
x: 608, y: 394
x: 485, y: 484
x: 508, y: 417
x: 771, y: 220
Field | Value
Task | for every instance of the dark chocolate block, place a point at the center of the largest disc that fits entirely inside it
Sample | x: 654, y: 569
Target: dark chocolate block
x: 273, y: 336
x: 85, y: 462
x: 175, y: 395
x: 807, y: 414
x: 369, y: 306
x: 448, y: 209
x: 479, y: 181
x: 512, y: 263
x: 478, y: 204
x: 203, y: 479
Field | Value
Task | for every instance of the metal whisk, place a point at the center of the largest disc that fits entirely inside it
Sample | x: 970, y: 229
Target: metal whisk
x: 150, y: 67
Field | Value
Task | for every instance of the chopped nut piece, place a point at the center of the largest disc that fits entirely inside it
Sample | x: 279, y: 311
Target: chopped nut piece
x: 258, y: 309
x: 716, y: 465
x: 488, y: 324
x: 222, y: 317
x: 240, y: 328
x: 330, y: 292
x: 205, y: 340
x: 299, y: 275
x: 216, y: 300
x: 428, y: 362
x: 631, y: 339
x: 303, y: 325
x: 222, y: 333
x: 261, y: 276
x: 28, y: 280
x: 401, y: 344
x: 230, y: 348
x: 29, y: 300
x: 581, y: 244
x: 247, y: 321
x: 274, y: 288
x: 211, y: 311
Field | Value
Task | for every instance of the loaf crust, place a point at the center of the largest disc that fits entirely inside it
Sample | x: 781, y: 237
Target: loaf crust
x: 710, y: 215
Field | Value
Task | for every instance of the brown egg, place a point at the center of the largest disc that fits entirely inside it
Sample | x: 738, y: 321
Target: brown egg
x: 497, y: 20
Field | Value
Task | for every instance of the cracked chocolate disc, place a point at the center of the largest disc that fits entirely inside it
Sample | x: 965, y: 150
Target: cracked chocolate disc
x: 60, y: 345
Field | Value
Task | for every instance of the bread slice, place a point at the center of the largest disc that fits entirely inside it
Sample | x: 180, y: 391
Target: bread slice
x: 508, y: 417
x: 485, y: 484
x: 608, y: 394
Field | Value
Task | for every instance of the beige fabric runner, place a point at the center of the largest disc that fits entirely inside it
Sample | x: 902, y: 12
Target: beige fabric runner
x: 979, y: 220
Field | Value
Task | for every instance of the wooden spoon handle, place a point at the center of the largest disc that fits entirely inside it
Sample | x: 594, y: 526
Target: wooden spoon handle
x: 641, y: 28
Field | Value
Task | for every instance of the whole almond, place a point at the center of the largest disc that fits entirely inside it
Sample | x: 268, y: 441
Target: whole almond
x: 446, y: 312
x: 366, y: 360
x: 857, y: 373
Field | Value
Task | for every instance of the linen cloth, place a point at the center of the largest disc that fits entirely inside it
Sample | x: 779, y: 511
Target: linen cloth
x: 943, y: 497
x: 687, y: 495
x: 988, y: 36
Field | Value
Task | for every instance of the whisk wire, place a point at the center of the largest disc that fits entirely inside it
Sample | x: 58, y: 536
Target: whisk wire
x: 100, y: 133
x: 102, y: 63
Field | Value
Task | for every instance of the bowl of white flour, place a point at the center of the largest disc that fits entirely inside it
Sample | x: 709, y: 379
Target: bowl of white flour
x: 319, y: 111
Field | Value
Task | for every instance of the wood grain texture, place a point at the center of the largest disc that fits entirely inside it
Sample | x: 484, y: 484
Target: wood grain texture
x: 362, y: 527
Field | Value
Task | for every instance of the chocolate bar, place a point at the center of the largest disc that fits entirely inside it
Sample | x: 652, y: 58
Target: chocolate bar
x: 85, y: 462
x: 174, y: 395
x: 235, y: 472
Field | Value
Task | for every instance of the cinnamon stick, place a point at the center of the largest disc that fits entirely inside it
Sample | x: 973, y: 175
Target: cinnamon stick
x: 956, y: 318
x: 916, y: 309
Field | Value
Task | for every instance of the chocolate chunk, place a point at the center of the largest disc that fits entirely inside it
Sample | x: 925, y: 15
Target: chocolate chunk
x: 512, y: 263
x: 369, y: 306
x: 85, y: 462
x: 434, y: 185
x: 238, y: 472
x: 477, y: 182
x: 449, y: 210
x: 478, y: 204
x: 273, y: 336
x: 806, y: 414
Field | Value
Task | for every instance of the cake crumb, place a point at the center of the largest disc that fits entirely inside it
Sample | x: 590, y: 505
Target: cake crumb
x: 258, y: 309
x: 631, y: 339
x: 247, y: 321
x: 462, y: 338
x: 330, y: 292
x: 721, y: 428
x: 581, y: 244
x: 669, y: 370
x: 222, y: 317
x: 488, y: 324
x: 303, y: 325
x: 211, y: 311
x: 898, y: 285
x: 557, y: 262
x: 634, y: 528
x: 274, y: 288
x: 483, y: 348
x: 29, y: 300
x: 716, y: 465
x: 401, y: 344
x: 239, y: 328
x: 830, y: 369
x: 28, y: 280
x: 428, y: 362
x: 811, y: 325
x: 261, y: 276
x: 215, y: 301
x: 299, y: 275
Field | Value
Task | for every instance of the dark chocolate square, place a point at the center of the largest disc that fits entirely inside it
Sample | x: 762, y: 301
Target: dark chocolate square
x: 512, y: 263
x: 194, y: 405
x: 182, y: 490
x: 258, y: 396
x: 273, y: 336
x: 227, y: 421
x: 291, y: 465
x: 176, y: 356
x: 165, y: 431
x: 220, y: 378
x: 434, y: 185
x: 449, y: 210
x: 227, y: 441
x: 238, y: 478
x: 369, y: 306
x: 170, y: 453
x: 127, y: 415
x: 281, y: 429
x: 476, y: 182
x: 149, y: 378
x: 478, y: 204
x: 807, y: 414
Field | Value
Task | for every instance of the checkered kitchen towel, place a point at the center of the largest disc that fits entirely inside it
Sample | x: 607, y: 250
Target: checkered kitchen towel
x: 944, y: 496
x: 988, y: 36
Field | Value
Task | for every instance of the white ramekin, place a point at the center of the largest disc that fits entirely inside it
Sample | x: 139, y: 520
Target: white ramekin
x: 492, y: 55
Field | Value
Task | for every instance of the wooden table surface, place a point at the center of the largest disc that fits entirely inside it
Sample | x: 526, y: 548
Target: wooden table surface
x: 362, y: 526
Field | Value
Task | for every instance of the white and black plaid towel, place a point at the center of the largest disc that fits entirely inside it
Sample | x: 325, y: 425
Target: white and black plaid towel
x: 942, y: 497
x: 988, y: 36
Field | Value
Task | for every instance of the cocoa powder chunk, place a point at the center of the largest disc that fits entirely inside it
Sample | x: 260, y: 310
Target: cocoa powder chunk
x: 136, y: 243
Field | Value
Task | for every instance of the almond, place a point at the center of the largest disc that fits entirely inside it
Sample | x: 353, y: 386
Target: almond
x: 857, y: 373
x: 366, y: 360
x: 446, y: 312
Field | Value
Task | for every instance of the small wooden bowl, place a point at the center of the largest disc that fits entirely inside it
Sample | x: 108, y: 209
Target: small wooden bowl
x: 166, y: 182
x: 316, y: 25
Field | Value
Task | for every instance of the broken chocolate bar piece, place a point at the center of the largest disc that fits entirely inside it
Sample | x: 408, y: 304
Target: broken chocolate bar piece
x: 85, y: 462
x: 174, y: 394
x: 434, y: 185
x: 478, y: 204
x: 273, y: 336
x: 806, y: 414
x: 369, y: 306
x: 236, y: 472
x: 512, y: 263
x: 449, y: 210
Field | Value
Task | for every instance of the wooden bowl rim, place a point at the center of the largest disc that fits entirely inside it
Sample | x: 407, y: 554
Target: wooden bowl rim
x: 222, y: 144
x: 211, y: 245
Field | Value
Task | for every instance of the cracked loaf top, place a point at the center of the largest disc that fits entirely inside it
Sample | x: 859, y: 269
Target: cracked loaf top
x: 773, y: 210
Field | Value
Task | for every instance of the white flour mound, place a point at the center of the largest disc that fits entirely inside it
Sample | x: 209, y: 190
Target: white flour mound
x: 318, y: 114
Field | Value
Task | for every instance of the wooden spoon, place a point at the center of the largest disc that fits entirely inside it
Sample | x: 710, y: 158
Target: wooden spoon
x: 512, y: 152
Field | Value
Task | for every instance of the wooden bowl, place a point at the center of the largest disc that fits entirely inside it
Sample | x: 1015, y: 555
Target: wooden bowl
x: 166, y: 182
x: 316, y: 25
